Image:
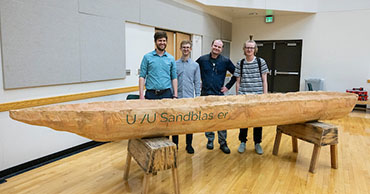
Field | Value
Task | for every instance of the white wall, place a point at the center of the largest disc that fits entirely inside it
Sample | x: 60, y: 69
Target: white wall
x: 342, y: 5
x: 20, y: 142
x: 139, y: 41
x: 335, y: 44
x: 197, y: 47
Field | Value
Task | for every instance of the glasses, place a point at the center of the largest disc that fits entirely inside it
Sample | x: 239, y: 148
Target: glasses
x: 249, y: 48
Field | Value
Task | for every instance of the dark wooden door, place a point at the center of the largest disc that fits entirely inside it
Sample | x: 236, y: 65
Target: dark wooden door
x: 283, y: 58
x: 265, y: 50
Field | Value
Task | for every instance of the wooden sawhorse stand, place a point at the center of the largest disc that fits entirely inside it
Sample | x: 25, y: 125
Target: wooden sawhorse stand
x: 318, y: 133
x: 152, y: 155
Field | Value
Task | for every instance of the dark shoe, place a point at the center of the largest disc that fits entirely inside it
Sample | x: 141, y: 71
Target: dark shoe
x: 224, y: 148
x: 189, y: 149
x: 210, y: 145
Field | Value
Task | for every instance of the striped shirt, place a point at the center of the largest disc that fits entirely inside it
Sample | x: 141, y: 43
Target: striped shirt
x: 251, y: 80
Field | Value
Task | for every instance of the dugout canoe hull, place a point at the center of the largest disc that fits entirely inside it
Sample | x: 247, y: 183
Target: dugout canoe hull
x: 118, y: 120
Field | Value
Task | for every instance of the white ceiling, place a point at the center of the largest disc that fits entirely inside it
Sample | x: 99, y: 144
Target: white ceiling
x: 247, y: 12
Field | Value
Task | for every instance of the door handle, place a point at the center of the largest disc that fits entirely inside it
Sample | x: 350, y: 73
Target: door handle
x: 285, y: 73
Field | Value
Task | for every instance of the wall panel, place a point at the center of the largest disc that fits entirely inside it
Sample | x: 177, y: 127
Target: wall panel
x: 102, y: 48
x: 40, y: 46
x: 119, y: 9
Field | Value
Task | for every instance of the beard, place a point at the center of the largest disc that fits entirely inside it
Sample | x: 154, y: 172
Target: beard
x: 161, y: 49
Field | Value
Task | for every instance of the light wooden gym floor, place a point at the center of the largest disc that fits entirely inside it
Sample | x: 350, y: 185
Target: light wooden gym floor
x: 100, y: 170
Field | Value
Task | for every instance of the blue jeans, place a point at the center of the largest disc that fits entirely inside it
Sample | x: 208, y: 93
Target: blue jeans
x: 221, y: 134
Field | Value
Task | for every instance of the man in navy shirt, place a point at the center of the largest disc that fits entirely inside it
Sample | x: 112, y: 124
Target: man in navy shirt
x: 213, y: 68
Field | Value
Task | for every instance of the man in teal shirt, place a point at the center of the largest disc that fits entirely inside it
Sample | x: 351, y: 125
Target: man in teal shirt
x: 158, y: 72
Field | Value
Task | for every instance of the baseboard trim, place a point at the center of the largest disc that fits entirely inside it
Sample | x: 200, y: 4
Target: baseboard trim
x: 19, y: 169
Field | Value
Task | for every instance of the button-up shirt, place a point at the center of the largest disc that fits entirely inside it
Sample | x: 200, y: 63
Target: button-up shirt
x: 213, y: 73
x: 158, y: 71
x: 188, y: 76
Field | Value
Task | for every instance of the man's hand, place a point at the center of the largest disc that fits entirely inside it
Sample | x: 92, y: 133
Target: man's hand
x: 224, y: 89
x: 141, y: 88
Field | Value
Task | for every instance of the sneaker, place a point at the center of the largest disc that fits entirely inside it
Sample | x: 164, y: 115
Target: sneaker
x: 224, y: 148
x: 241, y: 148
x: 258, y: 148
x: 189, y: 149
x: 210, y: 145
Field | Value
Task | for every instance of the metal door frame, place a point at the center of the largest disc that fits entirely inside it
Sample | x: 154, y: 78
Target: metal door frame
x: 272, y: 71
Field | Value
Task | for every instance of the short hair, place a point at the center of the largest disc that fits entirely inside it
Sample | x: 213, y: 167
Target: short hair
x: 219, y: 40
x: 251, y: 41
x: 159, y: 35
x: 186, y: 42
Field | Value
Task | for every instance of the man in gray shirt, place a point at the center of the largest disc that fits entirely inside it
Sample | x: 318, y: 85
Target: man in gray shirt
x: 188, y: 76
x: 251, y: 78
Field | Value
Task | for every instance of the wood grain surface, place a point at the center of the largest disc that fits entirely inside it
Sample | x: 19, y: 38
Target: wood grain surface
x: 117, y: 120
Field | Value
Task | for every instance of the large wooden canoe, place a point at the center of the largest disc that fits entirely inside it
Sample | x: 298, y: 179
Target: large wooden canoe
x: 117, y: 120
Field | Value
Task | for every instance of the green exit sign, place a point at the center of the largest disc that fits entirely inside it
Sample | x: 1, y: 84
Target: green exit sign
x: 269, y: 19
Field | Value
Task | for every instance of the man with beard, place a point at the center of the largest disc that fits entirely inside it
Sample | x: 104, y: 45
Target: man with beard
x: 213, y: 69
x: 158, y: 71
